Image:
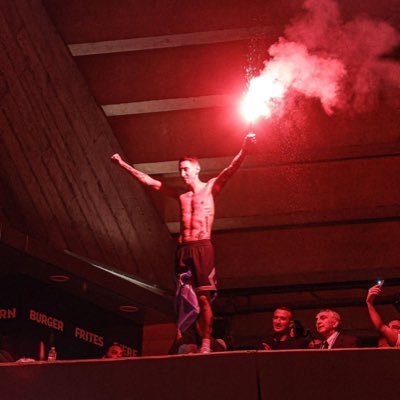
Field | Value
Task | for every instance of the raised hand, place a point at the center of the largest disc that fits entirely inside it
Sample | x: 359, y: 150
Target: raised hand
x: 249, y: 140
x: 373, y: 292
x: 116, y: 158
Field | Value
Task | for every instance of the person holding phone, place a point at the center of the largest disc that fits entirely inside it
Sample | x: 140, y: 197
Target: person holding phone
x: 392, y: 335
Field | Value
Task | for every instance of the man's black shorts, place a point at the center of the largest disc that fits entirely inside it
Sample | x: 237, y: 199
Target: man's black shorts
x: 197, y: 257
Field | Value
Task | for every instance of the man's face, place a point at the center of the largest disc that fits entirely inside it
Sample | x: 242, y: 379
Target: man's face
x: 281, y: 321
x: 326, y: 323
x: 188, y: 171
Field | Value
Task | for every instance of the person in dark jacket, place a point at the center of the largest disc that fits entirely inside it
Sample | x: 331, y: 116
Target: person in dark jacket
x: 328, y: 323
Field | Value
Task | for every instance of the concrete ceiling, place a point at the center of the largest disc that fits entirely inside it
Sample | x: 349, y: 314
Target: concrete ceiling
x: 313, y: 212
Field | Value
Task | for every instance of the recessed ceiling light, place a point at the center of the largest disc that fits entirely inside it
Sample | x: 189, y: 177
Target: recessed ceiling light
x: 127, y: 308
x: 59, y: 278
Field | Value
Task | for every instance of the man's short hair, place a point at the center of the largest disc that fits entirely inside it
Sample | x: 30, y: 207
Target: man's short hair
x: 192, y: 159
x: 394, y: 324
x: 335, y: 315
x: 284, y: 308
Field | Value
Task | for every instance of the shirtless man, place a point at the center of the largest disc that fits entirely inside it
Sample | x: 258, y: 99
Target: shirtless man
x: 195, y: 251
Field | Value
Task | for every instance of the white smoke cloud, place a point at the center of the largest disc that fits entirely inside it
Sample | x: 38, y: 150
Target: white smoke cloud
x: 338, y: 62
x: 309, y: 74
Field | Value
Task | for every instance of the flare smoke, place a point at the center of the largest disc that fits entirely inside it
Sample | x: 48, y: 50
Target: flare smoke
x: 338, y: 62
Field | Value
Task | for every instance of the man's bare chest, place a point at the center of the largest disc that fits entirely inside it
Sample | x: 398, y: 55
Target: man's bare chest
x: 193, y: 202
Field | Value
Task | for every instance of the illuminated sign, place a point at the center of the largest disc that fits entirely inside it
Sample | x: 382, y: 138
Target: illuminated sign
x: 128, y: 351
x: 10, y: 313
x: 44, y: 319
x: 90, y: 337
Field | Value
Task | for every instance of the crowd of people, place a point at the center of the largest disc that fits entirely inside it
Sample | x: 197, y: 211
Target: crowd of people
x: 328, y: 325
x: 288, y: 333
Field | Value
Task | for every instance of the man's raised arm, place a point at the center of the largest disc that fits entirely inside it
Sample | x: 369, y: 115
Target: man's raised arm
x: 143, y: 178
x: 226, y: 174
x: 390, y: 334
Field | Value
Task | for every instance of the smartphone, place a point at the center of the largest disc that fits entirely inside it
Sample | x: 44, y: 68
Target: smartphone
x: 380, y: 282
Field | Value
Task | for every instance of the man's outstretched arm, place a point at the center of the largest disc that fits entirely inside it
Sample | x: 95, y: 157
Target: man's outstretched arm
x: 141, y: 177
x: 226, y: 174
x: 390, y: 334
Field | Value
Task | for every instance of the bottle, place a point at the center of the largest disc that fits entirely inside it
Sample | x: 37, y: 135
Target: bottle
x: 52, y: 356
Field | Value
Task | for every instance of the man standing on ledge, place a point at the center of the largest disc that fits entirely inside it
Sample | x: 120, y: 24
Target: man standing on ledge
x: 195, y: 253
